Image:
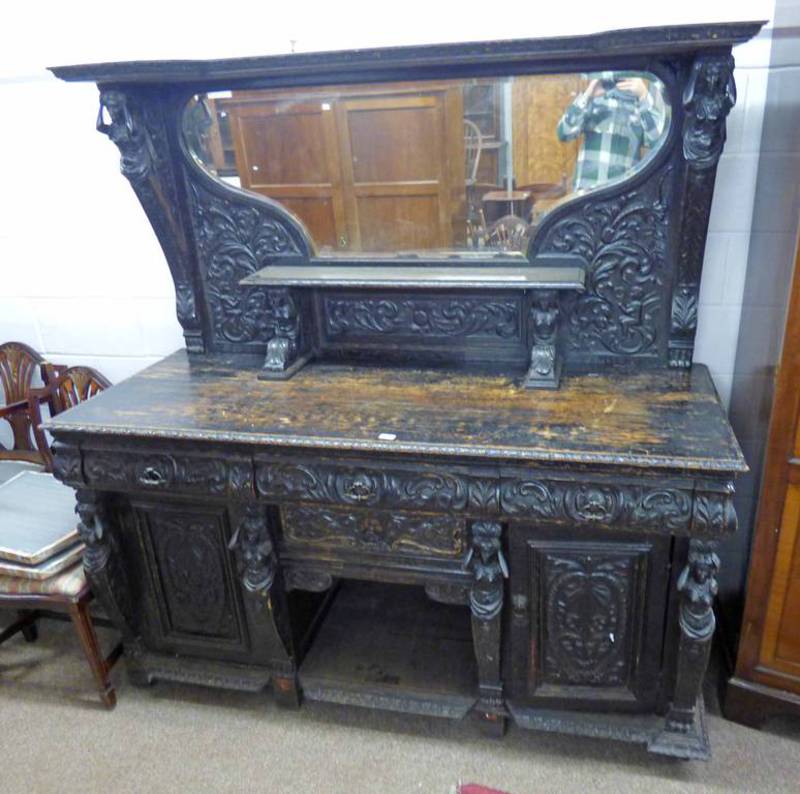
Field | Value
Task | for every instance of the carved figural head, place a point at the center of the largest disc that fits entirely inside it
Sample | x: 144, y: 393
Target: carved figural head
x: 708, y: 97
x: 114, y: 104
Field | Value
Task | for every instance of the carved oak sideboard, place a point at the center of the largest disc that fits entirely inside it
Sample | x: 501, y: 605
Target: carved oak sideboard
x: 478, y: 474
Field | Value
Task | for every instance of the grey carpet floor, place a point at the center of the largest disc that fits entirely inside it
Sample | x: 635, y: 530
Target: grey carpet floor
x: 54, y: 737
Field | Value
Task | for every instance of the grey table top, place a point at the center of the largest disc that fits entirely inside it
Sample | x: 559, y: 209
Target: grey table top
x: 37, y: 517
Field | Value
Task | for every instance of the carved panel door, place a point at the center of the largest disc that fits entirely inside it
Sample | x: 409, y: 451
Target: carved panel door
x: 192, y: 602
x: 587, y: 617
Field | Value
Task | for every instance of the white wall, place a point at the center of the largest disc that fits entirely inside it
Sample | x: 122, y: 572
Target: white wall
x: 83, y: 279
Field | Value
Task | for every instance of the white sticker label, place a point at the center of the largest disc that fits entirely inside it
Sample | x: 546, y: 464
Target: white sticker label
x: 387, y: 436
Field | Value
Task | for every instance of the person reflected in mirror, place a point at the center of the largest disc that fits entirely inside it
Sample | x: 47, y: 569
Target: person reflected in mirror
x: 620, y: 115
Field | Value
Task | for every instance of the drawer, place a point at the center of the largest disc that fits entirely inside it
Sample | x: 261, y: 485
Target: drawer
x: 340, y: 529
x: 155, y: 472
x: 416, y: 487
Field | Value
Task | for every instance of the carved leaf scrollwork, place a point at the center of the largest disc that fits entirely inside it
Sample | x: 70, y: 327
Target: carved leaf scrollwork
x: 429, y: 317
x: 623, y: 240
x: 439, y: 535
x: 586, y: 615
x: 234, y: 241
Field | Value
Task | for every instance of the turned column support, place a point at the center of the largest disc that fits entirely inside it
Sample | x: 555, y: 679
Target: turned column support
x: 486, y: 563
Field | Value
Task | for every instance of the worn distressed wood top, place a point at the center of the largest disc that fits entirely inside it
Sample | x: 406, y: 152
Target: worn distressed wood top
x: 667, y: 419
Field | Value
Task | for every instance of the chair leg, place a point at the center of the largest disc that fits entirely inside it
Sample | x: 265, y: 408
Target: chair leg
x: 29, y: 628
x: 91, y: 647
x: 25, y: 623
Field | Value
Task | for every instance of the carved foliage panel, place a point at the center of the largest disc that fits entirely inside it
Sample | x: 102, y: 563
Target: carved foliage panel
x: 598, y: 504
x: 443, y: 318
x: 364, y: 487
x: 588, y: 613
x: 370, y: 530
x: 235, y: 239
x: 624, y: 242
x: 192, y: 576
x: 154, y: 471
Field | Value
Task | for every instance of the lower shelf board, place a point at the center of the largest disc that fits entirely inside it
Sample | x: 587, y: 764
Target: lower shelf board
x: 389, y: 646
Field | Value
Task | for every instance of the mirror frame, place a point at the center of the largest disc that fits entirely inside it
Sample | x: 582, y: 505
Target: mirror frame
x: 641, y: 239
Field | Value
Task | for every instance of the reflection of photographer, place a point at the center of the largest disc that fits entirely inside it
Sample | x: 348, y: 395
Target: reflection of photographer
x: 618, y: 115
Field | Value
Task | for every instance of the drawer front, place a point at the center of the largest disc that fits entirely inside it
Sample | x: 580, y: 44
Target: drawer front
x: 420, y: 488
x: 328, y: 528
x: 163, y: 472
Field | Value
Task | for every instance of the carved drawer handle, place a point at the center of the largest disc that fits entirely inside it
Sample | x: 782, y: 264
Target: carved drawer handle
x: 151, y: 476
x: 360, y: 490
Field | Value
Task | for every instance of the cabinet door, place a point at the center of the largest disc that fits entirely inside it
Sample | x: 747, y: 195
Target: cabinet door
x: 587, y: 618
x: 192, y: 600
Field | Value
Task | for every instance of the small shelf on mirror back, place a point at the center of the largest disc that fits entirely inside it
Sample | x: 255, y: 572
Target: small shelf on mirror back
x: 404, y: 276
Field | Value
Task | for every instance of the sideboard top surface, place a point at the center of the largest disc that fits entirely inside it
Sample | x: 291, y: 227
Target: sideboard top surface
x: 665, y: 419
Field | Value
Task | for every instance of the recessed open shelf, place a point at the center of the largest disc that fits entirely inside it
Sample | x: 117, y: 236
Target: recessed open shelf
x: 389, y: 646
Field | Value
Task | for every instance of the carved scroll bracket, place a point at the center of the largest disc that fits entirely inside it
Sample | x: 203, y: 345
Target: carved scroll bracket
x: 709, y: 95
x: 545, y: 363
x: 137, y: 127
x: 485, y: 561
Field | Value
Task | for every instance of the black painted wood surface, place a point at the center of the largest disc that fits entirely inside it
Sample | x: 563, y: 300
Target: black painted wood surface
x: 665, y: 419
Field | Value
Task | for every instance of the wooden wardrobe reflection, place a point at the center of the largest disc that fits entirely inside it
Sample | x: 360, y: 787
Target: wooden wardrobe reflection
x: 366, y: 168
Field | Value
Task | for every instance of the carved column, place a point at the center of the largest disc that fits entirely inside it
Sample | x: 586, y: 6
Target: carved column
x: 265, y: 600
x: 683, y: 735
x: 545, y: 365
x: 709, y: 95
x: 137, y: 127
x: 102, y: 565
x: 487, y: 564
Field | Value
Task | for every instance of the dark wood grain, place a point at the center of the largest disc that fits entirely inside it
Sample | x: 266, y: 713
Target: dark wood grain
x: 655, y: 419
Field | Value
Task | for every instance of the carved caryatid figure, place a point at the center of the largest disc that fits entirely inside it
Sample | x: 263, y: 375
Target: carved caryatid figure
x: 257, y: 553
x: 708, y: 98
x: 124, y: 133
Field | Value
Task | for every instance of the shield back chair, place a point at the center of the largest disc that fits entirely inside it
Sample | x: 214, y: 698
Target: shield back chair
x: 19, y: 366
x: 49, y: 508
